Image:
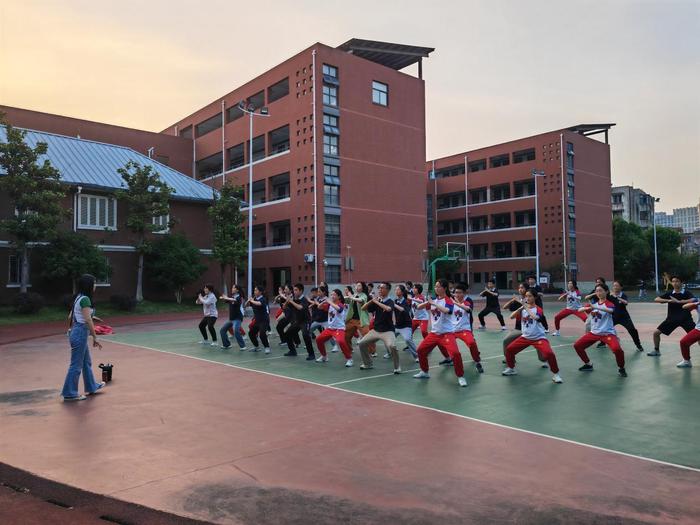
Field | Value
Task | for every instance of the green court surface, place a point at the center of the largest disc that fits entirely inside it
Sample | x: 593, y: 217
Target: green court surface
x: 651, y: 414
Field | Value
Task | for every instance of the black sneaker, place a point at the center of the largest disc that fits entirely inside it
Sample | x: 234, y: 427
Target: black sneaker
x: 640, y: 349
x: 586, y: 368
x: 445, y: 362
x: 622, y: 372
x: 311, y: 358
x: 291, y: 354
x: 479, y: 368
x: 601, y: 345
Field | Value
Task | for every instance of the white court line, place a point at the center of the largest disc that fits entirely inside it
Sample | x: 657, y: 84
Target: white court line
x: 437, y: 410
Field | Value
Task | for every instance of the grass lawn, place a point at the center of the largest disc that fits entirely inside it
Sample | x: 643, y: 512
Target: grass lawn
x: 104, y: 310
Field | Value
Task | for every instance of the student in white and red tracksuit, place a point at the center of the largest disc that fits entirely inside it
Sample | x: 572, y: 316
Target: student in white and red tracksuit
x: 602, y: 330
x: 441, y: 333
x: 533, y: 334
x: 573, y: 303
x: 420, y: 315
x: 336, y: 327
x: 463, y: 324
x: 691, y: 337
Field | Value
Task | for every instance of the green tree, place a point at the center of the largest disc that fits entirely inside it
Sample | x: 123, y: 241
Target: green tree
x: 35, y: 193
x: 146, y: 197
x: 229, y: 245
x: 70, y: 255
x: 631, y: 252
x: 174, y: 262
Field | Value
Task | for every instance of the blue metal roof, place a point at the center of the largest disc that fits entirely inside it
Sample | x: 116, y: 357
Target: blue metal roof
x: 94, y: 164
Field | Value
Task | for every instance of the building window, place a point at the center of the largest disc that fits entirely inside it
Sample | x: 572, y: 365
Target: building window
x: 330, y: 144
x: 330, y: 96
x: 209, y: 166
x: 572, y: 225
x: 449, y: 171
x: 279, y: 187
x: 477, y: 196
x: 452, y: 200
x: 107, y: 280
x: 523, y: 155
x: 233, y: 113
x: 572, y: 249
x: 478, y: 224
x: 480, y: 251
x: 525, y: 248
x: 501, y: 221
x: 331, y: 174
x: 14, y: 266
x: 330, y: 71
x: 332, y: 236
x: 279, y: 140
x: 477, y: 277
x: 333, y: 273
x: 278, y: 90
x: 97, y: 213
x: 208, y: 125
x: 569, y: 156
x: 258, y: 192
x: 281, y: 233
x: 524, y: 188
x: 186, y: 132
x: 477, y: 165
x: 258, y: 148
x: 617, y: 198
x: 331, y: 195
x: 257, y: 100
x: 500, y: 192
x: 451, y: 227
x: 330, y: 124
x: 380, y: 93
x: 499, y: 160
x: 502, y: 250
x: 163, y: 221
x: 525, y: 218
x: 236, y: 156
x: 429, y: 214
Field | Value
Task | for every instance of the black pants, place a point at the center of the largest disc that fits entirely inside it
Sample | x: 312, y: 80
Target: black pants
x: 281, y: 325
x: 208, y: 322
x: 486, y: 311
x: 259, y: 328
x: 293, y: 334
x: 626, y: 321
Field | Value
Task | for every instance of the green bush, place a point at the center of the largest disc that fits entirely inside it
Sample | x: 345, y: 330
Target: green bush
x: 28, y: 303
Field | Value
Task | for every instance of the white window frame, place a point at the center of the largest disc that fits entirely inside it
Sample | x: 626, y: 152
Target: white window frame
x: 160, y: 222
x: 99, y: 198
x: 16, y: 284
x: 382, y: 91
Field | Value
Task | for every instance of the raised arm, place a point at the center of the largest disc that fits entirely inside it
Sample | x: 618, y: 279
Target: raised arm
x: 515, y: 314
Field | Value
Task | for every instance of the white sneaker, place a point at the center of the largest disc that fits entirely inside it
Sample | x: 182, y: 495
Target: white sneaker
x: 397, y: 370
x: 243, y: 349
x: 503, y: 328
x: 204, y: 342
x: 322, y: 359
x: 334, y: 349
x: 685, y: 364
x: 509, y: 372
x: 213, y: 344
x: 555, y: 333
x: 546, y: 331
x: 386, y: 356
x: 373, y: 355
x: 267, y: 350
x: 349, y: 363
x: 557, y: 378
x: 416, y: 360
x: 462, y: 381
x: 422, y: 375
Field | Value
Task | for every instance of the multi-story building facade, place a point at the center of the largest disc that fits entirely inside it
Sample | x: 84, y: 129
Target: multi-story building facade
x: 486, y: 198
x: 687, y: 219
x: 632, y: 205
x: 337, y: 162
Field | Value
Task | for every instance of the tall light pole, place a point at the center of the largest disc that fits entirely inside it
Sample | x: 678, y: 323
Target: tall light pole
x: 536, y: 174
x: 250, y: 110
x: 656, y: 253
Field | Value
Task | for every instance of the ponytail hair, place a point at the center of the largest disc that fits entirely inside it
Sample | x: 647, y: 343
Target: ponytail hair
x: 446, y: 285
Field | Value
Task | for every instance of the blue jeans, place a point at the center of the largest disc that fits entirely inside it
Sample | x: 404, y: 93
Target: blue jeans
x: 236, y: 333
x: 79, y: 362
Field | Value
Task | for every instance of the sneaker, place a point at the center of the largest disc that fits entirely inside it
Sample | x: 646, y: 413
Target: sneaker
x: 349, y: 363
x: 97, y: 390
x: 461, y: 381
x: 366, y: 367
x: 416, y: 360
x: 640, y: 348
x: 373, y: 354
x: 481, y: 328
x: 322, y: 359
x: 503, y: 329
x: 479, y: 368
x: 446, y: 361
x: 397, y: 370
x: 546, y: 331
x: 685, y: 364
x: 243, y: 349
x: 213, y: 343
x: 291, y: 354
x: 544, y: 365
x: 556, y: 378
x: 422, y: 375
x: 387, y: 355
x: 555, y: 333
x: 76, y: 398
x: 334, y: 349
x: 654, y: 353
x: 311, y: 357
x: 224, y: 347
x: 255, y: 349
x: 267, y: 350
x: 622, y: 372
x: 509, y: 372
x: 204, y: 342
x: 588, y: 367
x: 282, y: 343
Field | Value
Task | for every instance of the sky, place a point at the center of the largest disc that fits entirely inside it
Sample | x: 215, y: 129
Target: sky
x: 502, y: 69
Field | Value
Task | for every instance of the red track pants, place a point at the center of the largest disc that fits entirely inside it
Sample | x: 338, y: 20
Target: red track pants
x: 543, y: 349
x: 422, y: 324
x: 448, y: 347
x: 566, y: 312
x: 468, y: 338
x: 339, y: 336
x: 689, y: 340
x: 611, y: 340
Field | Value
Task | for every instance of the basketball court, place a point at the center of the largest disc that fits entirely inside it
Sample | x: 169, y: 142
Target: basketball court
x: 242, y: 437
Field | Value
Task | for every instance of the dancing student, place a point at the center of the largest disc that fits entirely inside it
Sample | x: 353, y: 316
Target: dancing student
x: 621, y: 316
x: 676, y: 316
x: 492, y: 305
x: 420, y: 315
x: 337, y: 310
x: 533, y: 334
x: 463, y: 326
x: 573, y: 303
x: 602, y: 329
x: 513, y: 305
x: 402, y: 314
x: 207, y: 298
x: 357, y: 319
x: 383, y: 308
x: 235, y: 317
x: 299, y: 323
x: 441, y: 333
x: 81, y: 324
x: 691, y: 337
x: 319, y: 312
x: 285, y: 314
x: 533, y: 285
x: 261, y: 316
x: 371, y: 294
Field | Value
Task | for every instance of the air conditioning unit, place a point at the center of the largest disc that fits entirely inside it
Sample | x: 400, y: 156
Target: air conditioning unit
x: 309, y: 257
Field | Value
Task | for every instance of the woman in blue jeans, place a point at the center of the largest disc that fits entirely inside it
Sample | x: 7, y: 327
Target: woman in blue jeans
x: 235, y: 317
x: 81, y: 324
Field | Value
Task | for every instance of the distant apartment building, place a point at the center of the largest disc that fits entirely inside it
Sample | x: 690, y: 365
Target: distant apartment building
x: 687, y: 219
x: 632, y: 205
x: 485, y: 198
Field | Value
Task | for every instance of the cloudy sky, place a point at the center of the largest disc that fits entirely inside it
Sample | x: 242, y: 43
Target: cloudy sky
x: 501, y: 69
